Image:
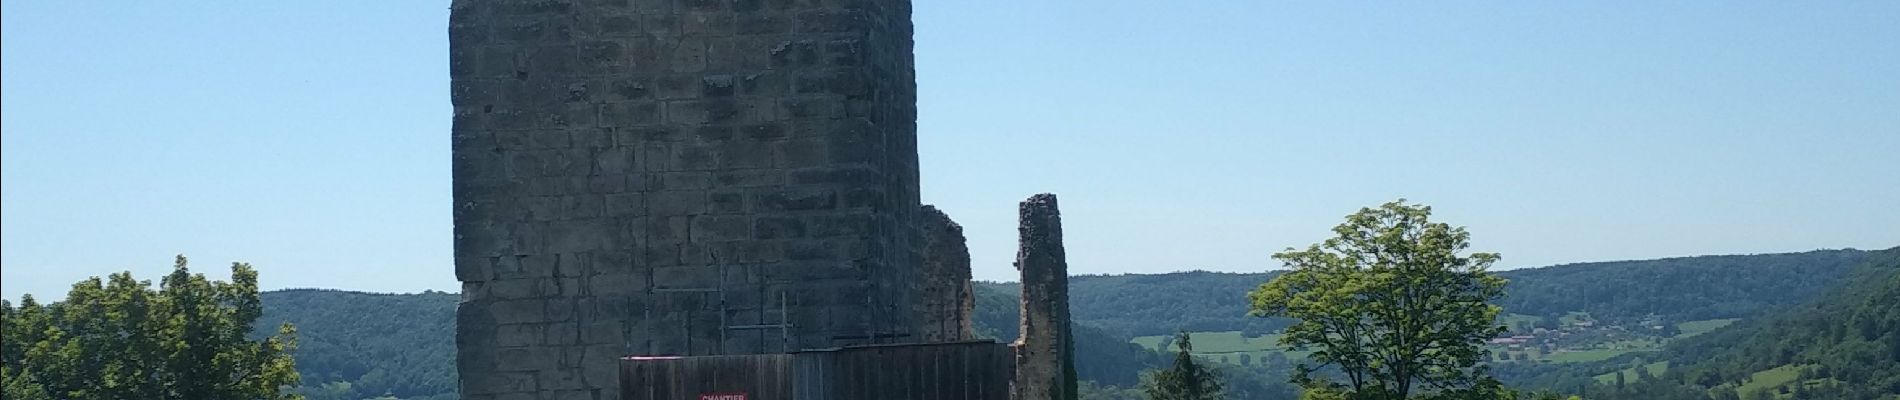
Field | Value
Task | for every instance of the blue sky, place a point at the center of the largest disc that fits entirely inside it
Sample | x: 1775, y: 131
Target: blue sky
x: 311, y: 138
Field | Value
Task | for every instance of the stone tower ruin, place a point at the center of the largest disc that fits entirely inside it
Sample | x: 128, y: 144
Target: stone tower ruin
x: 682, y: 177
x: 948, y: 297
x: 1045, y: 346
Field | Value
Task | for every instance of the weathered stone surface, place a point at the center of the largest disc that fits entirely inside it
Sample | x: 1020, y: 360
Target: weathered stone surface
x: 947, y: 295
x: 1045, y: 352
x: 641, y: 176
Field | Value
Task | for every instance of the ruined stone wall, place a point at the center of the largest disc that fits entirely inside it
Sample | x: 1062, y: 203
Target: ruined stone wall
x: 684, y: 177
x: 947, y: 295
x: 1045, y: 351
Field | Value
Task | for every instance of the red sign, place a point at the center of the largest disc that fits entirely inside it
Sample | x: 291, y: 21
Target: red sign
x: 722, y: 396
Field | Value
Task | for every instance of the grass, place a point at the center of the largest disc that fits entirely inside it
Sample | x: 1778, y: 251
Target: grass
x: 1629, y: 374
x: 1216, y: 342
x: 1692, y: 328
x: 1227, y: 346
x: 1770, y: 378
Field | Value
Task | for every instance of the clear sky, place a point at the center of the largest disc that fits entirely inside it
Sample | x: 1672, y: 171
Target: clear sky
x: 311, y: 138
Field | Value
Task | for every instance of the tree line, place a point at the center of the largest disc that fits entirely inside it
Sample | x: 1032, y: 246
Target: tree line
x: 1674, y: 289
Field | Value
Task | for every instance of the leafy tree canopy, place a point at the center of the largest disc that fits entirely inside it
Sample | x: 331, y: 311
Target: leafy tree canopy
x: 1391, y: 301
x: 121, y: 339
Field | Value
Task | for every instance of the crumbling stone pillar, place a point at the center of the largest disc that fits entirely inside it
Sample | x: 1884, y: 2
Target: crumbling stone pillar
x: 1045, y: 351
x: 947, y: 295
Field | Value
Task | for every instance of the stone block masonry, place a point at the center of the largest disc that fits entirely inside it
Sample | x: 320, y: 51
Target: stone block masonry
x: 677, y: 177
x: 947, y: 294
x: 1045, y: 349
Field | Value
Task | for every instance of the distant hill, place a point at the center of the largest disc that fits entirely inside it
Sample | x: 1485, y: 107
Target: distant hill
x: 1845, y: 345
x: 1676, y: 289
x: 1141, y: 305
x: 353, y: 345
x: 1680, y: 289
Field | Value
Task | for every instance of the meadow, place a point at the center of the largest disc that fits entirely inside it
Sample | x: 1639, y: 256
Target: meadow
x: 1227, y: 346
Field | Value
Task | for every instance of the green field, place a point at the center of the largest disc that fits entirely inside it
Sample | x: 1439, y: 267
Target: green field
x: 1226, y: 346
x: 1770, y: 378
x: 1629, y: 374
x: 1692, y: 328
x: 1216, y: 342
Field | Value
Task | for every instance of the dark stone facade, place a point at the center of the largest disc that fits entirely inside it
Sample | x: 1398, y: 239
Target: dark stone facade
x: 679, y: 177
x: 947, y: 294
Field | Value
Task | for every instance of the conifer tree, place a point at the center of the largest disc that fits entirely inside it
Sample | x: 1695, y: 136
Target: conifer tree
x: 1187, y: 379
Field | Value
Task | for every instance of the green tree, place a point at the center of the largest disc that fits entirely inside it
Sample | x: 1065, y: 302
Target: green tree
x: 1549, y: 322
x: 1760, y: 394
x: 1185, y: 380
x: 1724, y: 393
x: 1391, y: 302
x: 120, y: 339
x: 15, y: 384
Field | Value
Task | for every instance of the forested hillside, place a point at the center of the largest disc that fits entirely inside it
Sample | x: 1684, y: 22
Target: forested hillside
x: 1845, y: 345
x: 1676, y: 289
x: 1141, y: 305
x: 1680, y: 289
x: 353, y: 345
